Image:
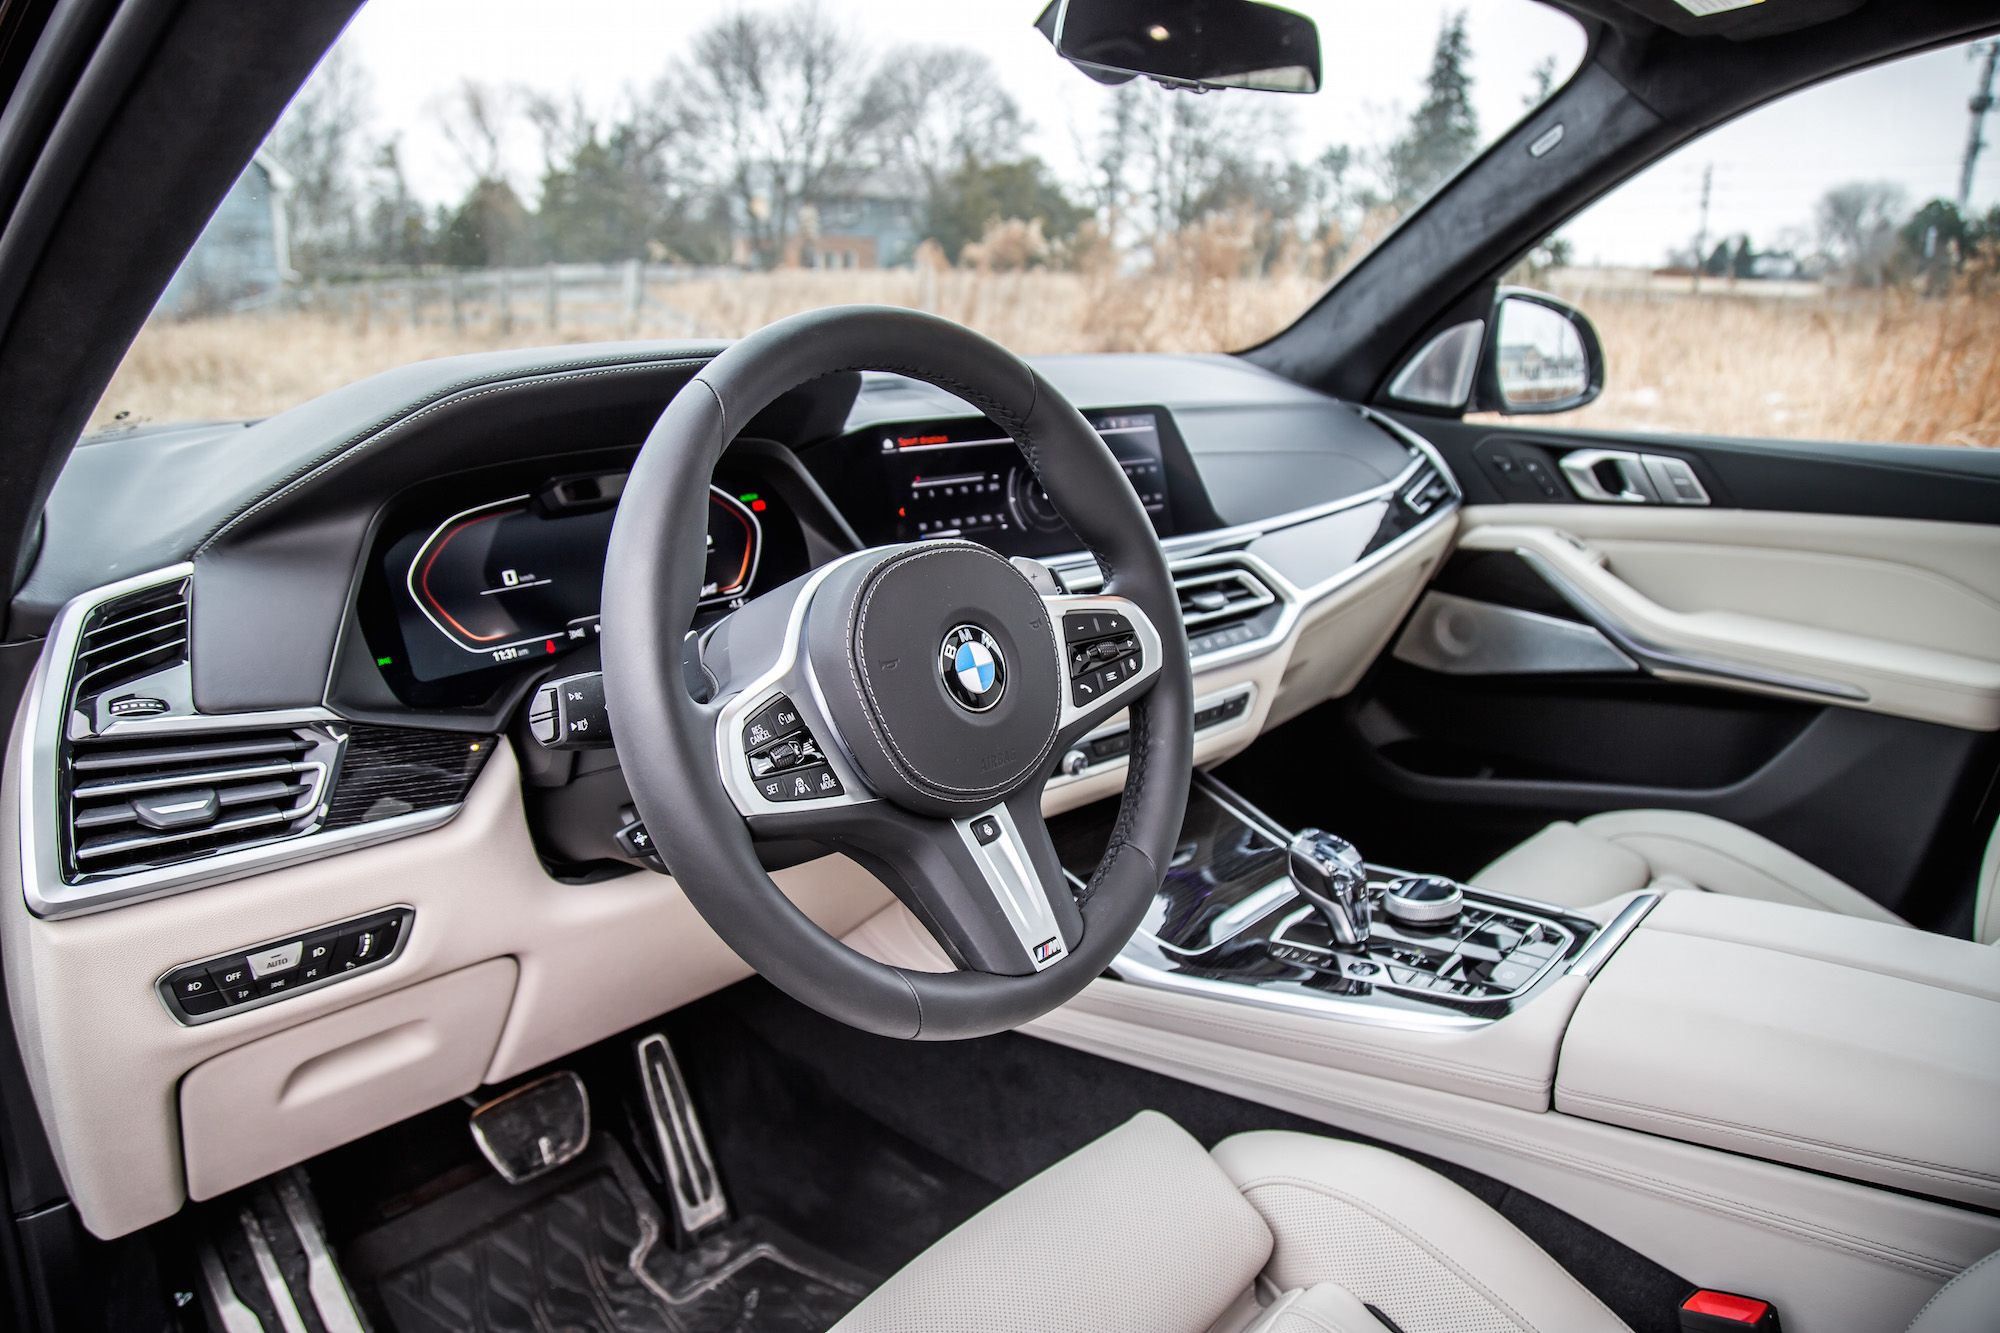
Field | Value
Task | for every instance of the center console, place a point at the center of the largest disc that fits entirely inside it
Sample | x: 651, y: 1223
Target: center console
x: 1254, y: 913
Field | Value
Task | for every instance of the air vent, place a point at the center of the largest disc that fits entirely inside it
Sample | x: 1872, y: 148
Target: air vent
x: 131, y: 637
x: 1223, y: 606
x: 1209, y: 596
x: 139, y: 806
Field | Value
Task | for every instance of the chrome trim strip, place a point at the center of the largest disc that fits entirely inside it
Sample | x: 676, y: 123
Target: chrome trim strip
x: 1679, y: 665
x: 1016, y: 888
x: 1603, y: 944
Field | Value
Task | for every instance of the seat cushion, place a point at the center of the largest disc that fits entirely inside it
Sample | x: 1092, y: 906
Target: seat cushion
x: 1403, y: 1239
x: 1139, y: 1230
x: 1577, y: 865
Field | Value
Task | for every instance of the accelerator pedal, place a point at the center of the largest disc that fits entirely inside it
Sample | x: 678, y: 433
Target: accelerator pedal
x: 699, y: 1202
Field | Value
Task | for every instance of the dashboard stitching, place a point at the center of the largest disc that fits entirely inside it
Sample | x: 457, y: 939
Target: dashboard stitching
x: 362, y: 442
x: 859, y: 611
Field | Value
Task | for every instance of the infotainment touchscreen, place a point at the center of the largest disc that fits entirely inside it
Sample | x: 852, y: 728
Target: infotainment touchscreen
x: 960, y: 478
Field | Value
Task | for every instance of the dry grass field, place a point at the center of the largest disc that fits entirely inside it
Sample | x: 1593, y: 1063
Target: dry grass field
x: 1760, y: 360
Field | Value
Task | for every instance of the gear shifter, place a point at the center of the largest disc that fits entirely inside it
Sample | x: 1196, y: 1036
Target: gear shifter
x: 1327, y: 872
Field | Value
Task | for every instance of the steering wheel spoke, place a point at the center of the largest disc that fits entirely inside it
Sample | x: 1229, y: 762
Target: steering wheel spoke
x: 988, y: 886
x: 1111, y: 654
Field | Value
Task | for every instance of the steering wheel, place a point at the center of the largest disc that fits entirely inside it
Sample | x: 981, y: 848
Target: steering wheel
x: 903, y: 704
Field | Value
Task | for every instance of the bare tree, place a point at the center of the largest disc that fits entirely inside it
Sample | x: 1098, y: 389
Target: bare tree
x: 776, y: 99
x: 932, y: 110
x: 1857, y: 228
x: 474, y: 120
x: 318, y: 142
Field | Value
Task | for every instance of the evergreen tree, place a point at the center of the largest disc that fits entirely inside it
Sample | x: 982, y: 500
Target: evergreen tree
x: 1444, y: 131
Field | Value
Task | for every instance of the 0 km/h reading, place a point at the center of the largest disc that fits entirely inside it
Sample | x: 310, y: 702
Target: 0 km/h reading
x: 505, y: 581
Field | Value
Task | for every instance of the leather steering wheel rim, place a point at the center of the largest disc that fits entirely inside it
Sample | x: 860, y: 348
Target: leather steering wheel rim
x: 666, y: 740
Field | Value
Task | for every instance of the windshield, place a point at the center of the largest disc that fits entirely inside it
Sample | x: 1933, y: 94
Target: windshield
x: 461, y: 176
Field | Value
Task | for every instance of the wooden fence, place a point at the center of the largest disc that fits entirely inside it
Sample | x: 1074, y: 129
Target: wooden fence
x: 633, y: 296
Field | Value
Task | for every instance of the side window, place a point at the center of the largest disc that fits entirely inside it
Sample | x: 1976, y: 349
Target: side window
x: 1825, y: 267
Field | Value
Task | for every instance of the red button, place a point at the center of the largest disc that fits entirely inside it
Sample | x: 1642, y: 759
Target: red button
x: 1724, y: 1306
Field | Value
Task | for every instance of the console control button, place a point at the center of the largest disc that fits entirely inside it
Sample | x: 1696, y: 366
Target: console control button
x: 191, y: 982
x: 369, y: 942
x: 1511, y: 975
x: 206, y: 1003
x: 230, y: 972
x: 277, y: 958
x: 278, y: 983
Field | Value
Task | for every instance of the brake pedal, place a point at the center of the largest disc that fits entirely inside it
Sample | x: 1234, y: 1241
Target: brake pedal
x: 535, y: 1128
x: 696, y: 1188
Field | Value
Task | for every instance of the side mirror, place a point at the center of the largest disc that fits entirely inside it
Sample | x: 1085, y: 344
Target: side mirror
x: 1541, y: 355
x: 1191, y: 44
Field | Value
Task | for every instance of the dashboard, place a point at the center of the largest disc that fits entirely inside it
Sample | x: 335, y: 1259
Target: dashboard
x: 330, y: 623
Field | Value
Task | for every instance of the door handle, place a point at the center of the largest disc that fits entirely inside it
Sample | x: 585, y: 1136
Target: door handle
x: 1641, y: 479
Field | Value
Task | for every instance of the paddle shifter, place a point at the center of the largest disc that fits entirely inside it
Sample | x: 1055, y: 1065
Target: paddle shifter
x: 1327, y: 872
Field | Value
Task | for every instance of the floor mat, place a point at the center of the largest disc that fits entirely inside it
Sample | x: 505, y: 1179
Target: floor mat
x: 586, y: 1250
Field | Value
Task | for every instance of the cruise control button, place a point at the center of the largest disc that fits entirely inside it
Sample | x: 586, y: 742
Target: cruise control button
x: 773, y: 722
x: 801, y: 784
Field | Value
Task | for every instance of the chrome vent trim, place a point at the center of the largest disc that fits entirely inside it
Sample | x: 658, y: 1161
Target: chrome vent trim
x: 128, y: 638
x: 133, y: 806
x: 1220, y: 593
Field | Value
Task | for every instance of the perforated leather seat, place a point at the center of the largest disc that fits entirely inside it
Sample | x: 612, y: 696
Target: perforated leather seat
x: 1273, y: 1232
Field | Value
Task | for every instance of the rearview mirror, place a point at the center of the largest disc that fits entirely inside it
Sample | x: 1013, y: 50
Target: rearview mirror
x: 1191, y: 44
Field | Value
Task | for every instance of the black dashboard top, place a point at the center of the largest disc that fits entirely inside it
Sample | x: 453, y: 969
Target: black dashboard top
x: 287, y: 520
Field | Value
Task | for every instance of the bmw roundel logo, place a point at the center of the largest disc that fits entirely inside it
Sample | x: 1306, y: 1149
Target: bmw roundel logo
x: 975, y: 673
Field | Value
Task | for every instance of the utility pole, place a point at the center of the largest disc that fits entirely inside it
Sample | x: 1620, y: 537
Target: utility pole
x: 1981, y: 103
x: 1701, y: 236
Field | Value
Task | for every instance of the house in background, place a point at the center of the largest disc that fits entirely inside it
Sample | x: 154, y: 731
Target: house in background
x: 242, y: 260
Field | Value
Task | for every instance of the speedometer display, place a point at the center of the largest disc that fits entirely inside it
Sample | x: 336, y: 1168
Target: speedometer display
x: 520, y: 577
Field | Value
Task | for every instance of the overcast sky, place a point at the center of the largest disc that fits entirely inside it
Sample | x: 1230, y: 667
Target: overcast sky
x: 1905, y: 123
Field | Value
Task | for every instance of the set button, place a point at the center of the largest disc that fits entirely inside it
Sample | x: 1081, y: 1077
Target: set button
x: 786, y: 763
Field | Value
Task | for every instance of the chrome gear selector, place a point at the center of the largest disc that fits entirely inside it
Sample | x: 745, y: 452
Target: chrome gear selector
x: 1327, y: 871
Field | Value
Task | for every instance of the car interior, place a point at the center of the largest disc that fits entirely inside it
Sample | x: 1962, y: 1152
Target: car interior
x: 1273, y: 840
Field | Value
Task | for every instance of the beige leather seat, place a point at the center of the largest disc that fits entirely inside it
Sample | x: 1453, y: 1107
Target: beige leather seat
x: 1577, y: 865
x: 1271, y: 1233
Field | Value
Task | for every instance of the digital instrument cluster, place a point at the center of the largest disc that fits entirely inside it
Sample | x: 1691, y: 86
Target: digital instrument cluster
x: 479, y: 589
x: 963, y: 477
